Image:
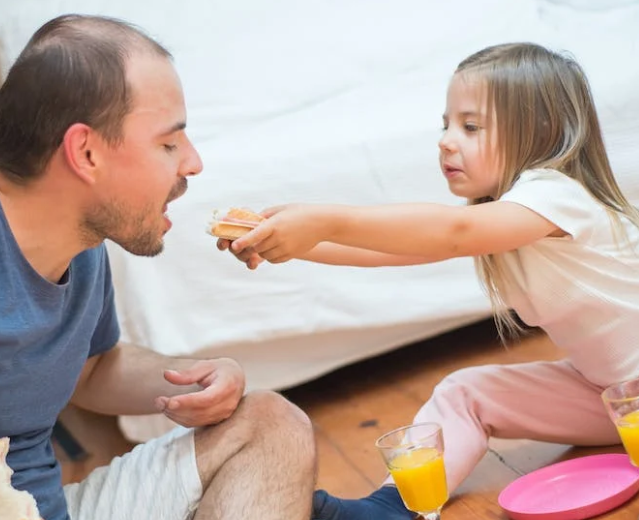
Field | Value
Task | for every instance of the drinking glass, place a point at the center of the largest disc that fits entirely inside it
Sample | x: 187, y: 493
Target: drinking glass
x: 622, y: 402
x: 414, y: 456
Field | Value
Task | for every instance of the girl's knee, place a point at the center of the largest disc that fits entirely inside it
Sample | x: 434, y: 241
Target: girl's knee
x: 465, y: 384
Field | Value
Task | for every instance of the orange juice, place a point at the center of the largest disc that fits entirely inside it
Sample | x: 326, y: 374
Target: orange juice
x: 628, y: 427
x: 421, y: 479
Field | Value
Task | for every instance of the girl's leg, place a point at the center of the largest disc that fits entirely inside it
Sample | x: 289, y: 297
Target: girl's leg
x: 545, y: 401
x: 548, y: 401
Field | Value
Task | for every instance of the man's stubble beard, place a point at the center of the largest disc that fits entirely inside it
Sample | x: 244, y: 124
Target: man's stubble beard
x: 131, y: 232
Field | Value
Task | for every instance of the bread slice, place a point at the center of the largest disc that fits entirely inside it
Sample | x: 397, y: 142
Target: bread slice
x: 234, y: 224
x: 14, y: 504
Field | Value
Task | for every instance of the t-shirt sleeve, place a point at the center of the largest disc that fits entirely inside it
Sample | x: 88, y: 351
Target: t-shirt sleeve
x: 559, y: 199
x: 107, y: 331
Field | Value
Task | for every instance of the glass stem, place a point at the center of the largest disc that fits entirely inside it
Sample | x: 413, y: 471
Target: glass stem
x: 431, y: 516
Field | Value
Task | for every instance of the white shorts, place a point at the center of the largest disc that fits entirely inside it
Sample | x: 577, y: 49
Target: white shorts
x: 157, y: 480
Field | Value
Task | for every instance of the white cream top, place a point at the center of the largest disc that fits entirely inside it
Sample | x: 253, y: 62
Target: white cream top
x: 582, y: 289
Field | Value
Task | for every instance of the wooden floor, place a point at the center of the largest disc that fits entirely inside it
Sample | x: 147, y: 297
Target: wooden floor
x: 352, y: 407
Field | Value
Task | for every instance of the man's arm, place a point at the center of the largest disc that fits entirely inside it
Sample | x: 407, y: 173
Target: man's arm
x: 129, y: 380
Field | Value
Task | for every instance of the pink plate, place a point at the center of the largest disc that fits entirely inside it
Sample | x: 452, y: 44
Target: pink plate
x: 572, y: 490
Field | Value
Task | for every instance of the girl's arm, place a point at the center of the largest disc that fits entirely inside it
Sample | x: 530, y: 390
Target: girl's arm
x: 332, y: 254
x: 432, y: 232
x: 437, y: 232
x: 336, y: 254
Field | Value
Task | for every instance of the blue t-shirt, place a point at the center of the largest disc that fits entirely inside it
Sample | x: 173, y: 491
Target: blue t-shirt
x: 47, y: 333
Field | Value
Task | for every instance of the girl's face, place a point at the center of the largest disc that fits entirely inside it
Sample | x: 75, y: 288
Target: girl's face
x: 468, y: 147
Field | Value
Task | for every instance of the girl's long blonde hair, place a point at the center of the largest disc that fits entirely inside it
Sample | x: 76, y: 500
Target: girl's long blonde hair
x: 545, y: 118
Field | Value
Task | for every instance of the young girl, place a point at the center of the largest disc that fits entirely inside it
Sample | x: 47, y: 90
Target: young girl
x: 553, y: 237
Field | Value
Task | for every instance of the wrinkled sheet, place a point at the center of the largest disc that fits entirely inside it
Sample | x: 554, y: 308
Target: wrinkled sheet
x: 327, y: 101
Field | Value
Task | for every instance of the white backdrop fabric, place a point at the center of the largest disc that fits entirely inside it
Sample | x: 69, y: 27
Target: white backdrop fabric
x: 326, y: 101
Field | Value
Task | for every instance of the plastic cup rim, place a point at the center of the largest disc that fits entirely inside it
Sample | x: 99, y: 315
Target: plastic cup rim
x: 379, y: 443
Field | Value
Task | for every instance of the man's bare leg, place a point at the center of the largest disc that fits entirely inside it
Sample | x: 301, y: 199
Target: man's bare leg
x: 258, y: 464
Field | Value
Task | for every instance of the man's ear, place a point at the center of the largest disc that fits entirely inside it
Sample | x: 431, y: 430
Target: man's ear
x: 78, y: 145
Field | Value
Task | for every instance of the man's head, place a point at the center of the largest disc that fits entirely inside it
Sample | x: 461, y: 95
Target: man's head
x: 96, y: 98
x: 73, y: 70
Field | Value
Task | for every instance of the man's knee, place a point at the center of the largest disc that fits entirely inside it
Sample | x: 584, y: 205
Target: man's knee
x: 271, y: 411
x: 262, y: 416
x: 265, y: 424
x: 281, y: 428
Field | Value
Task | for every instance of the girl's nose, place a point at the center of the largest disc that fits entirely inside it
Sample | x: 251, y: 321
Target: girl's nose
x: 445, y: 142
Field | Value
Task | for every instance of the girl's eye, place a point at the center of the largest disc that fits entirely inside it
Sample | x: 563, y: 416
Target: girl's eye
x: 170, y: 147
x: 470, y: 127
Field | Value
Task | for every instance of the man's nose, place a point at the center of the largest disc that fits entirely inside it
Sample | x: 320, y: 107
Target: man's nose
x: 192, y: 163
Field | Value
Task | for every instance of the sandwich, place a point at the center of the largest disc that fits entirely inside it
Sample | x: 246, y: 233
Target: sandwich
x: 234, y: 223
x: 14, y: 504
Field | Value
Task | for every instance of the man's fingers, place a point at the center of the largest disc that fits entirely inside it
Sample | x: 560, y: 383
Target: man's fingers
x: 194, y: 401
x: 188, y: 376
x: 161, y: 402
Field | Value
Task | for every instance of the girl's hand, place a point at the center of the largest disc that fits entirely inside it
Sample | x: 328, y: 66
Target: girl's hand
x: 289, y: 232
x: 247, y: 256
x: 222, y: 385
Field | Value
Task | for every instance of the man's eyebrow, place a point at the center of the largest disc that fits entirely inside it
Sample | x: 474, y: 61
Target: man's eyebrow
x: 181, y: 125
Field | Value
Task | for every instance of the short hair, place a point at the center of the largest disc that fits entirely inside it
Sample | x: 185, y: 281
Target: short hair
x: 72, y: 70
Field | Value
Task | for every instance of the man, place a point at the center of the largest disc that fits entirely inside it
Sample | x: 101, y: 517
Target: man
x: 93, y: 147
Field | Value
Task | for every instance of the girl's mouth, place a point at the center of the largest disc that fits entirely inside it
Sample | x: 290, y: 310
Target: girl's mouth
x: 450, y: 171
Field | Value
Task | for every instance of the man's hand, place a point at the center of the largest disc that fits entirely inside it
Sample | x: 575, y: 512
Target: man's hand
x: 222, y: 381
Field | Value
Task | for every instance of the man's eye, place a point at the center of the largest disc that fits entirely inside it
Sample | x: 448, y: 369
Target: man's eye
x: 170, y: 147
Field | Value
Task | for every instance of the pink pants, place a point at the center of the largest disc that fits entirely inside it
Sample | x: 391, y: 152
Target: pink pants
x: 544, y: 401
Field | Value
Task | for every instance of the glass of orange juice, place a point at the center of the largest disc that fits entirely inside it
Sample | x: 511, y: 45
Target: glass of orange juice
x: 622, y: 403
x: 414, y: 455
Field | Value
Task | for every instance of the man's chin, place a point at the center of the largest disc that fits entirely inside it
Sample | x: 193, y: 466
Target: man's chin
x: 153, y: 252
x: 141, y: 248
x: 150, y: 252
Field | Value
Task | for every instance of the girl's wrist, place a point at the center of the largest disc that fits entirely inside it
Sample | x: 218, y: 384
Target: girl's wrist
x: 326, y: 220
x: 334, y: 219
